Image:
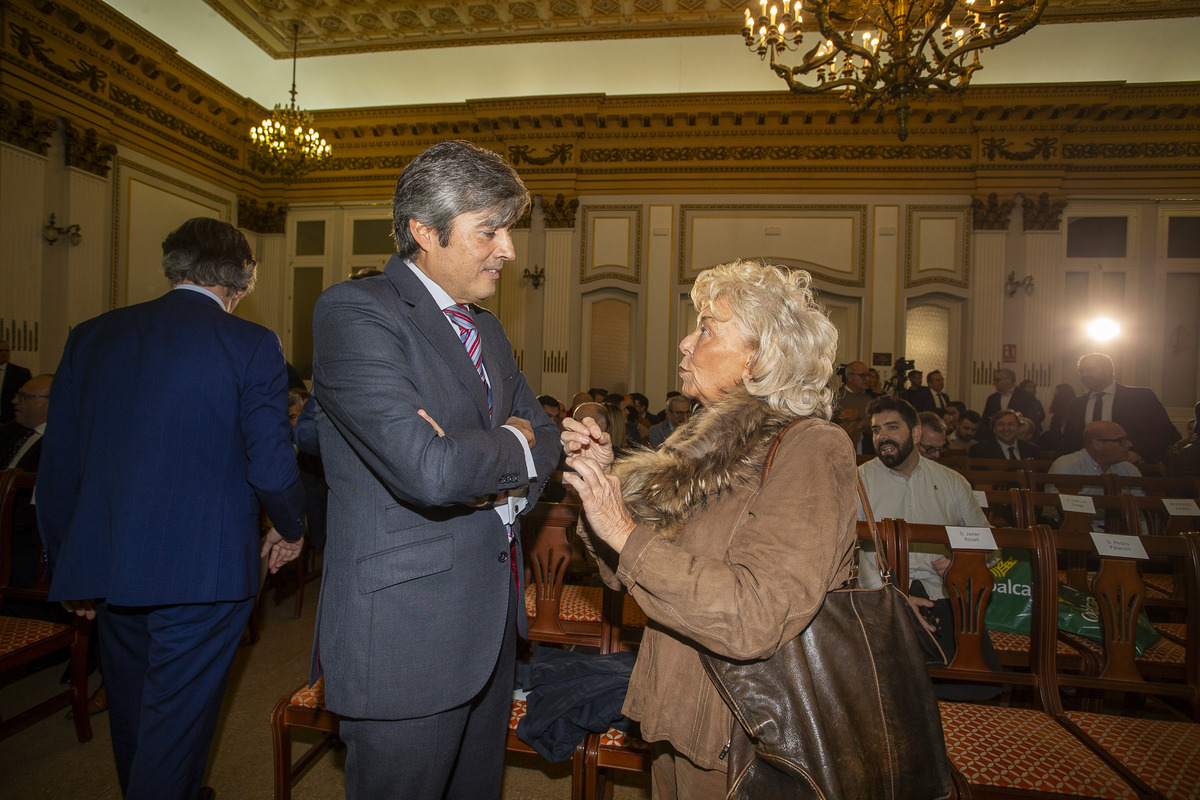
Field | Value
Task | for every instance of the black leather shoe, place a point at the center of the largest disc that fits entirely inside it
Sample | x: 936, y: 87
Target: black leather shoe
x: 207, y: 793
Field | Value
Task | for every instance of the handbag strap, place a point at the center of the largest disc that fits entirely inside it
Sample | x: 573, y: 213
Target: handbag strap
x: 885, y: 570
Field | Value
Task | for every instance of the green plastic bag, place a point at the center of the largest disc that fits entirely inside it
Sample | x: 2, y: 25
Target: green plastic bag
x: 1012, y: 604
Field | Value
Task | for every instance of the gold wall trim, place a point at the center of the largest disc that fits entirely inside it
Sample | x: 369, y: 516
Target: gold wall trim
x: 587, y: 273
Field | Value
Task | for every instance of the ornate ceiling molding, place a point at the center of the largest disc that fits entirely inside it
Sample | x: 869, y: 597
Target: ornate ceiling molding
x: 329, y: 27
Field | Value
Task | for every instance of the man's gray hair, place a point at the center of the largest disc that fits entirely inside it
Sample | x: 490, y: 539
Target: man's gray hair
x: 209, y: 252
x: 447, y: 180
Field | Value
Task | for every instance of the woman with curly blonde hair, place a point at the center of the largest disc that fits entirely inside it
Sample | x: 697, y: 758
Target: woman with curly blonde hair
x: 721, y: 560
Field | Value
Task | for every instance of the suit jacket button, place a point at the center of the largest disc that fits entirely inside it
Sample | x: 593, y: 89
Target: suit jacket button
x: 502, y: 557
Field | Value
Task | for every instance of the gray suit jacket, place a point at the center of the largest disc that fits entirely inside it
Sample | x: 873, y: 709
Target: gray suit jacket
x: 417, y: 579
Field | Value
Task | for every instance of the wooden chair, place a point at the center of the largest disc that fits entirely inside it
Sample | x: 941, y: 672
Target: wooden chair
x: 1008, y: 751
x: 1066, y: 484
x: 25, y: 640
x: 1155, y: 487
x: 995, y: 479
x: 1163, y: 753
x: 1154, y: 518
x: 1006, y: 465
x: 303, y: 708
x: 558, y: 612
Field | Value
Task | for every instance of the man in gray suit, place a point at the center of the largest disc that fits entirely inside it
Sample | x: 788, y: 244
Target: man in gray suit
x: 432, y: 443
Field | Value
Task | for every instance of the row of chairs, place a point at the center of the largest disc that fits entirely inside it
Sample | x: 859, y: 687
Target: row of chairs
x: 1052, y: 672
x: 24, y: 641
x: 1064, y: 740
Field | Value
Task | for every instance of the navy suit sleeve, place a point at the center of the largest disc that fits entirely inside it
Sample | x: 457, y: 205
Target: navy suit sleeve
x: 60, y: 466
x: 373, y: 372
x: 546, y: 445
x: 272, y: 469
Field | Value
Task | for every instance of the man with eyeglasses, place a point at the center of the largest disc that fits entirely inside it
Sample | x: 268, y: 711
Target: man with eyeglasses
x: 21, y: 439
x: 853, y: 393
x: 1105, y: 452
x: 1008, y: 397
x: 932, y: 443
x: 12, y: 378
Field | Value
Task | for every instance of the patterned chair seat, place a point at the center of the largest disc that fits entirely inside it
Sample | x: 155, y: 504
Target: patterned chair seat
x: 1025, y: 751
x: 1019, y: 643
x: 1175, y: 630
x: 1164, y: 754
x: 1159, y: 585
x: 578, y: 603
x: 16, y: 632
x: 614, y: 738
x: 1164, y: 651
x: 310, y: 696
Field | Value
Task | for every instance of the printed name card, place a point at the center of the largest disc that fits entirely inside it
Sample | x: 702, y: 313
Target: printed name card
x: 1118, y: 546
x: 1182, y: 507
x: 971, y: 538
x: 981, y: 498
x: 1077, y: 502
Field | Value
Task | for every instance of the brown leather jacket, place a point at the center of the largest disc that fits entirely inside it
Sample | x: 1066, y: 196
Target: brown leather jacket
x: 745, y: 575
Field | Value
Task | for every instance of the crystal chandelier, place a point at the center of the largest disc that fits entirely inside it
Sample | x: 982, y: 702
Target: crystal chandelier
x: 286, y: 144
x: 886, y: 52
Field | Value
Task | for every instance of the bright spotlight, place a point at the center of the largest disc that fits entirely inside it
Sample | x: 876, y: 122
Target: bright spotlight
x: 1103, y: 329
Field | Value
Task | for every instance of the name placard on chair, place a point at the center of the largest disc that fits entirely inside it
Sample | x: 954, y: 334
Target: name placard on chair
x: 1077, y: 502
x: 1181, y: 507
x: 1119, y: 546
x: 970, y: 538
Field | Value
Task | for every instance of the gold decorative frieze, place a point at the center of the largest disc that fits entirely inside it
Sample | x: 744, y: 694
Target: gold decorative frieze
x: 560, y: 213
x: 171, y: 122
x: 85, y: 151
x: 523, y: 153
x: 394, y: 163
x: 1042, y: 214
x: 998, y: 147
x: 1132, y: 150
x: 21, y: 127
x: 991, y: 214
x: 31, y: 46
x: 777, y: 153
x: 269, y: 218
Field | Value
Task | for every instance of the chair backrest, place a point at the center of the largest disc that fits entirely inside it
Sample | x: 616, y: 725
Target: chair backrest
x: 996, y: 479
x: 1067, y: 484
x: 1119, y: 593
x: 548, y: 553
x: 1006, y: 465
x: 1154, y: 517
x: 969, y: 586
x: 14, y: 484
x: 1155, y: 487
x: 1005, y: 508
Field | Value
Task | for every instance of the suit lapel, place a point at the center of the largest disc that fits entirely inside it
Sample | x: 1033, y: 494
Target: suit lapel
x: 431, y: 321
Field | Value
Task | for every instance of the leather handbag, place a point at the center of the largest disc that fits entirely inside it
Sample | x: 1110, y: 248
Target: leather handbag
x: 845, y: 710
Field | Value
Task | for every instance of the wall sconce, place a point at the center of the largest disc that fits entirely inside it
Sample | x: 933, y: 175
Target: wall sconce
x: 536, y: 277
x: 1011, y: 284
x: 51, y: 232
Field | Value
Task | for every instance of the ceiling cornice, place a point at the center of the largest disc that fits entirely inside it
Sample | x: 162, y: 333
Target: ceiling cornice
x: 336, y: 27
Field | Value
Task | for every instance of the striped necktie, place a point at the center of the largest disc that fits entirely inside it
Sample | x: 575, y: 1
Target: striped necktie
x: 469, y: 334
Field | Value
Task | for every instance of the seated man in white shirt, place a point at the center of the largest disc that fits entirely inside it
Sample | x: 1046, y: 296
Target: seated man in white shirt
x: 1105, y: 452
x: 901, y: 484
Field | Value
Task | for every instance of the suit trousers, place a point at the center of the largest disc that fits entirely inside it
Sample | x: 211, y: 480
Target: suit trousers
x: 457, y: 754
x: 165, y: 669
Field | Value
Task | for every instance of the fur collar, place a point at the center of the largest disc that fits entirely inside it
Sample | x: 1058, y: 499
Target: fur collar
x: 720, y: 447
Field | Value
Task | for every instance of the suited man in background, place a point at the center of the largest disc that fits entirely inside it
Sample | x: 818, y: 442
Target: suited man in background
x: 930, y: 397
x: 1134, y: 408
x: 1006, y: 425
x: 432, y: 443
x: 1008, y: 396
x: 167, y: 429
x: 12, y: 378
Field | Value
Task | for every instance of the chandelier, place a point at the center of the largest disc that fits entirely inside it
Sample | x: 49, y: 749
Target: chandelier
x: 886, y: 52
x: 286, y: 144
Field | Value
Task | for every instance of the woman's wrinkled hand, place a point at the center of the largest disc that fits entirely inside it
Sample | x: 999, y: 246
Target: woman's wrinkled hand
x: 583, y: 438
x: 600, y: 493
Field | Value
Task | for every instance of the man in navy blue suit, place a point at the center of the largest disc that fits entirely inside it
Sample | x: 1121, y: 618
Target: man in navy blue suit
x: 168, y: 427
